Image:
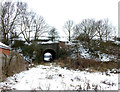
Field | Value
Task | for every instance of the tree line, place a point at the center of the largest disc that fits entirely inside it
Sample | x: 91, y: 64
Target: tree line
x: 16, y: 20
x: 18, y: 23
x: 89, y: 28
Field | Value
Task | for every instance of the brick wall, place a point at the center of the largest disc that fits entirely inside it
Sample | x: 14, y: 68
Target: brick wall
x: 0, y: 68
x: 4, y: 51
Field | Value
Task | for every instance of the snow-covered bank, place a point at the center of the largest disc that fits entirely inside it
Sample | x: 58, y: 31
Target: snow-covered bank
x: 84, y: 53
x: 57, y: 78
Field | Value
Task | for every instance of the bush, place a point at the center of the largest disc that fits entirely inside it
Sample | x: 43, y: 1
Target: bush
x: 63, y: 53
x: 37, y: 53
x: 118, y: 39
x: 27, y: 52
x: 17, y: 44
x: 95, y: 46
x: 82, y: 64
x: 32, y: 52
x: 83, y: 37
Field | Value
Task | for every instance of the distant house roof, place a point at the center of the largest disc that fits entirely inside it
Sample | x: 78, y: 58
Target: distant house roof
x: 4, y: 46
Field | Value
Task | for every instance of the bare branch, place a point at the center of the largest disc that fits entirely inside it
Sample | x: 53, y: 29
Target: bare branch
x: 68, y: 28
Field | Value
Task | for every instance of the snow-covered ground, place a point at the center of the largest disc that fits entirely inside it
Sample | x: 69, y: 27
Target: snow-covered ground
x: 57, y: 78
x: 85, y: 54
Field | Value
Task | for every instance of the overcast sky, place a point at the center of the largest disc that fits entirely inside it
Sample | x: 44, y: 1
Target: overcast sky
x: 57, y: 12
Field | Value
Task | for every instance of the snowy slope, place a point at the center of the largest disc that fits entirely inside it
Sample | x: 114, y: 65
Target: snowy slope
x: 57, y: 78
x: 85, y: 54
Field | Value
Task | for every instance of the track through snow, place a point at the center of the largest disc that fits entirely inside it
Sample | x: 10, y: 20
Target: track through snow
x: 57, y: 78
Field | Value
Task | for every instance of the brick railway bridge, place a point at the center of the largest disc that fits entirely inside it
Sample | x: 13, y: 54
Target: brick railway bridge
x: 49, y: 47
x: 52, y: 48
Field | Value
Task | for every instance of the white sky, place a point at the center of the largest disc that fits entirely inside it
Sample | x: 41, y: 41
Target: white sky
x: 57, y: 12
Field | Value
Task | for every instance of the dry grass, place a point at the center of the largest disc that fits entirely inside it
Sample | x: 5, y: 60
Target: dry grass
x: 82, y: 64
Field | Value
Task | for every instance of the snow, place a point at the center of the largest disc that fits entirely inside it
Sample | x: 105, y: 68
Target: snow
x: 50, y: 77
x: 105, y: 57
x: 44, y: 38
x: 117, y: 42
x: 4, y: 46
x: 49, y: 42
x: 84, y: 53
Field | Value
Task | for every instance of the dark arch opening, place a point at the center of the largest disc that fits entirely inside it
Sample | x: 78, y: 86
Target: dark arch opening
x: 51, y: 57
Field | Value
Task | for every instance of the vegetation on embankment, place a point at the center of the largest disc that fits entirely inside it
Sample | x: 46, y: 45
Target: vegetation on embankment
x: 109, y: 48
x: 91, y: 65
x: 14, y: 63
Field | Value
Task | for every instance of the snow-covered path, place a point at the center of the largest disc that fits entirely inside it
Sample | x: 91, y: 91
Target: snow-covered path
x: 57, y: 78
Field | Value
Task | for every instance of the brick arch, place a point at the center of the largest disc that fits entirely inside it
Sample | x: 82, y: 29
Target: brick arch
x: 51, y: 51
x: 52, y: 46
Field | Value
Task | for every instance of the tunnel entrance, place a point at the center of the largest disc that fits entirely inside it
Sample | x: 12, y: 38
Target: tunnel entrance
x: 49, y: 55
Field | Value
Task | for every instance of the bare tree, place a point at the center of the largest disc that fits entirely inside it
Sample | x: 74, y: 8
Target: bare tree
x: 69, y: 28
x: 53, y: 34
x: 9, y: 16
x: 77, y: 29
x: 104, y: 29
x: 40, y: 27
x: 7, y: 20
x: 27, y: 25
x: 87, y: 28
x: 91, y: 28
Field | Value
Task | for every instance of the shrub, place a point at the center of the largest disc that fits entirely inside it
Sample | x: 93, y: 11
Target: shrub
x: 17, y: 44
x: 32, y: 52
x: 95, y: 46
x: 118, y: 39
x: 63, y: 53
x: 27, y: 52
x: 37, y: 53
x: 82, y: 64
x: 83, y: 37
